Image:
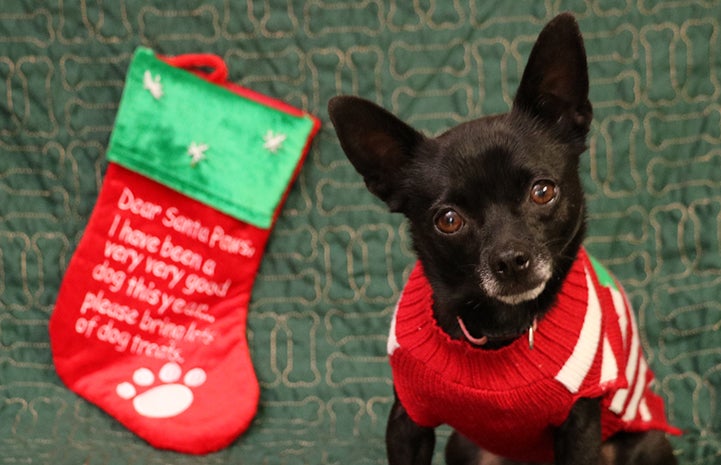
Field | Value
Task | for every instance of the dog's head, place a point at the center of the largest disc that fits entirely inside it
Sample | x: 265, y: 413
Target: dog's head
x: 495, y: 205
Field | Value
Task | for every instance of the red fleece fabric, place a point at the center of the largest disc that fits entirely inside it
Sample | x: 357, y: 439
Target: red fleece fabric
x: 150, y: 319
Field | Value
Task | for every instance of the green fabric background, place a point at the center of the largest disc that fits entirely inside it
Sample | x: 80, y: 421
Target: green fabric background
x: 336, y: 261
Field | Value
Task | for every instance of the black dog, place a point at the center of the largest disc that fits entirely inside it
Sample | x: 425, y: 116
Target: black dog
x: 497, y: 217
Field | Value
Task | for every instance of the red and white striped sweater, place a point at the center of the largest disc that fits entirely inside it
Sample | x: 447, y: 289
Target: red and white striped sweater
x: 510, y: 400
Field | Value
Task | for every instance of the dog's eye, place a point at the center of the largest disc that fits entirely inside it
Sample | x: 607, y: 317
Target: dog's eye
x: 449, y: 221
x: 543, y: 192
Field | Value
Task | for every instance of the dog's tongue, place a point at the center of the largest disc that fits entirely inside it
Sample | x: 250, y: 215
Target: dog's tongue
x: 479, y: 341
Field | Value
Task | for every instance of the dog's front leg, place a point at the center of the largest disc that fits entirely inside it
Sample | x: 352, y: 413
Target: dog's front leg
x: 407, y: 443
x: 578, y: 440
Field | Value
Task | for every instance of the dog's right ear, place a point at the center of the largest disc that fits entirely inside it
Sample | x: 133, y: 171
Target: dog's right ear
x: 378, y: 144
x: 554, y: 86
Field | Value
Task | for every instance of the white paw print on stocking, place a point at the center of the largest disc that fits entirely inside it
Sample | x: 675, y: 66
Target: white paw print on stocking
x: 165, y: 400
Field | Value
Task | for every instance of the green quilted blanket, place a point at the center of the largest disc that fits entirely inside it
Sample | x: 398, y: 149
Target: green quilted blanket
x: 337, y: 260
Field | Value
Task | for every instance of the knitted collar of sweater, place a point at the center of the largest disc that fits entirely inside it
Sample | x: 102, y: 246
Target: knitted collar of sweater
x: 558, y: 348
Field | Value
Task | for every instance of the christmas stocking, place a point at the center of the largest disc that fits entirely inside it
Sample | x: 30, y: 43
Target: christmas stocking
x: 150, y: 321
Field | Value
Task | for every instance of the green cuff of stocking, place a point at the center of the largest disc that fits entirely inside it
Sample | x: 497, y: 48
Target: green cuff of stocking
x: 215, y: 146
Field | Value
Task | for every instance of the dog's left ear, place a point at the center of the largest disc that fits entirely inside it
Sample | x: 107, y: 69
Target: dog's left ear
x: 378, y: 144
x: 554, y: 86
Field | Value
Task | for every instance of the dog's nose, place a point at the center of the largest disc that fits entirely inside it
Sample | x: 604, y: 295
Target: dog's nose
x: 510, y: 262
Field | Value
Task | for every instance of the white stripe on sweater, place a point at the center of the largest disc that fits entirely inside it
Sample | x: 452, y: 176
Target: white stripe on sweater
x: 639, y: 387
x: 619, y: 400
x: 620, y: 304
x: 609, y: 366
x: 576, y: 368
x: 644, y: 411
x: 392, y: 338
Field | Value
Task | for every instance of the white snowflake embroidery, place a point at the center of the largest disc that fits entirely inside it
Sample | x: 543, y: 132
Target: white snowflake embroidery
x: 196, y: 152
x: 153, y: 85
x: 273, y: 141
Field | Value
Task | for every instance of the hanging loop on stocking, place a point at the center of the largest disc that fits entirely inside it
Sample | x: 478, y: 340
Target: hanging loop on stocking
x: 210, y: 67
